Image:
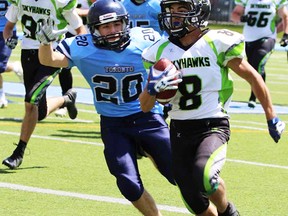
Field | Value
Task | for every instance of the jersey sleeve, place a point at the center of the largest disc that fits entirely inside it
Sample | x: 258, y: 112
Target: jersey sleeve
x: 73, y: 19
x: 282, y: 3
x: 12, y: 13
x: 64, y: 48
x: 240, y: 2
x: 226, y: 45
x: 152, y: 54
x: 67, y: 5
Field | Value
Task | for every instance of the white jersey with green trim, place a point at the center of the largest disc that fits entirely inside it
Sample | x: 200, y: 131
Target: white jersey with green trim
x: 207, y: 87
x: 262, y: 22
x: 30, y: 13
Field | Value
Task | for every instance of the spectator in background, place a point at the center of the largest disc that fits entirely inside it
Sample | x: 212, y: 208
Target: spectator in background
x: 65, y: 77
x: 259, y: 18
x: 5, y: 52
x: 38, y: 77
x: 110, y: 60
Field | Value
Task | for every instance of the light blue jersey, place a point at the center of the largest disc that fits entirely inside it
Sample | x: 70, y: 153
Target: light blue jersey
x: 144, y: 15
x: 3, y: 9
x: 116, y: 78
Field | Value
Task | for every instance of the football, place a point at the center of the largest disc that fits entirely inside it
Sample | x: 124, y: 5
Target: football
x: 164, y: 64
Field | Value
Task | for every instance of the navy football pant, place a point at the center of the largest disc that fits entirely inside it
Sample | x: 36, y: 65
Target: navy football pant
x: 121, y: 137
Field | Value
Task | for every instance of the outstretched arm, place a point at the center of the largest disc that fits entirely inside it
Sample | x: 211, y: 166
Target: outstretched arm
x: 247, y: 72
x: 51, y: 58
x: 236, y: 14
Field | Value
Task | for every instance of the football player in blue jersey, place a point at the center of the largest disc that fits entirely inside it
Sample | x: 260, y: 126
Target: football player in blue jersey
x: 143, y: 13
x: 110, y: 60
x: 5, y: 52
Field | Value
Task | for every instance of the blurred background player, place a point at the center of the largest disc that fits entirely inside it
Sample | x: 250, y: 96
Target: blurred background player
x: 5, y: 52
x: 38, y: 77
x: 260, y: 31
x: 144, y: 13
x: 65, y: 77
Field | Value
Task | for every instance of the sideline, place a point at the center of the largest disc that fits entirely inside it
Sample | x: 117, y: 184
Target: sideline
x: 85, y: 96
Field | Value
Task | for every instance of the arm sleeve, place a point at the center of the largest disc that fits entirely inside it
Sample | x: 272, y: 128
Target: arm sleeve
x: 73, y: 18
x: 12, y: 13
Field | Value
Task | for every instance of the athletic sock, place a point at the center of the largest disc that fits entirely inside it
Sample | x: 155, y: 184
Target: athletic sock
x: 19, y: 151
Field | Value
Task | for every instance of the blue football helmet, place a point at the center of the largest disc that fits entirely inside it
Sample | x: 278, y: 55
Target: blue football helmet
x: 105, y: 11
x: 138, y: 2
x: 197, y: 16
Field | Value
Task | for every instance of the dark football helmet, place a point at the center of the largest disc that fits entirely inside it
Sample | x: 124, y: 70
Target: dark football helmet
x: 138, y: 2
x: 105, y: 11
x: 197, y: 16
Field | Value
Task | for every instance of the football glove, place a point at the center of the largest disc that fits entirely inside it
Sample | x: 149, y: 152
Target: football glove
x: 276, y: 128
x: 245, y: 18
x: 284, y: 40
x: 11, y: 42
x: 47, y: 34
x: 162, y: 82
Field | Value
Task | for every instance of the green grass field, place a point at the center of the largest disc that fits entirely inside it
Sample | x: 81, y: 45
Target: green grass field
x: 64, y: 171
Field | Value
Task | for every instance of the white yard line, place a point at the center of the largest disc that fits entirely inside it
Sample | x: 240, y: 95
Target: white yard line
x: 84, y: 196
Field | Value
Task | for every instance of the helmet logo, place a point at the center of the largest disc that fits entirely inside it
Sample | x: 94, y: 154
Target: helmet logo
x: 109, y: 17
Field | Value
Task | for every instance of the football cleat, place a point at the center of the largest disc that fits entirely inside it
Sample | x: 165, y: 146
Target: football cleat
x: 13, y: 161
x: 3, y: 102
x: 70, y: 100
x: 251, y: 104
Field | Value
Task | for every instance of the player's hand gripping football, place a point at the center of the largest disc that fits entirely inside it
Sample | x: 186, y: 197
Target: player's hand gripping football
x: 163, y: 81
x: 276, y: 128
x: 11, y: 42
x: 47, y: 34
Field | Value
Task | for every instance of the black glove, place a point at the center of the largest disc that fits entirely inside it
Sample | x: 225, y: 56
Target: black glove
x: 284, y: 40
x: 245, y: 18
x: 11, y: 42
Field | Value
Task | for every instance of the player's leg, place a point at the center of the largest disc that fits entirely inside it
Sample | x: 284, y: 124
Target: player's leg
x: 146, y: 205
x: 5, y: 53
x: 36, y: 80
x: 120, y: 155
x: 66, y: 82
x: 154, y: 139
x: 3, y: 100
x: 15, y: 67
x: 258, y: 53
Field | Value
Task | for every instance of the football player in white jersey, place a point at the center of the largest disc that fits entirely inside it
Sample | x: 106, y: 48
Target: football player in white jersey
x: 259, y: 18
x: 38, y: 77
x: 199, y: 126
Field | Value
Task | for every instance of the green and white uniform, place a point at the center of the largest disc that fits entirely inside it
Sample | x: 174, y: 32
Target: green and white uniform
x: 263, y: 18
x: 30, y: 13
x: 207, y: 87
x: 199, y: 126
